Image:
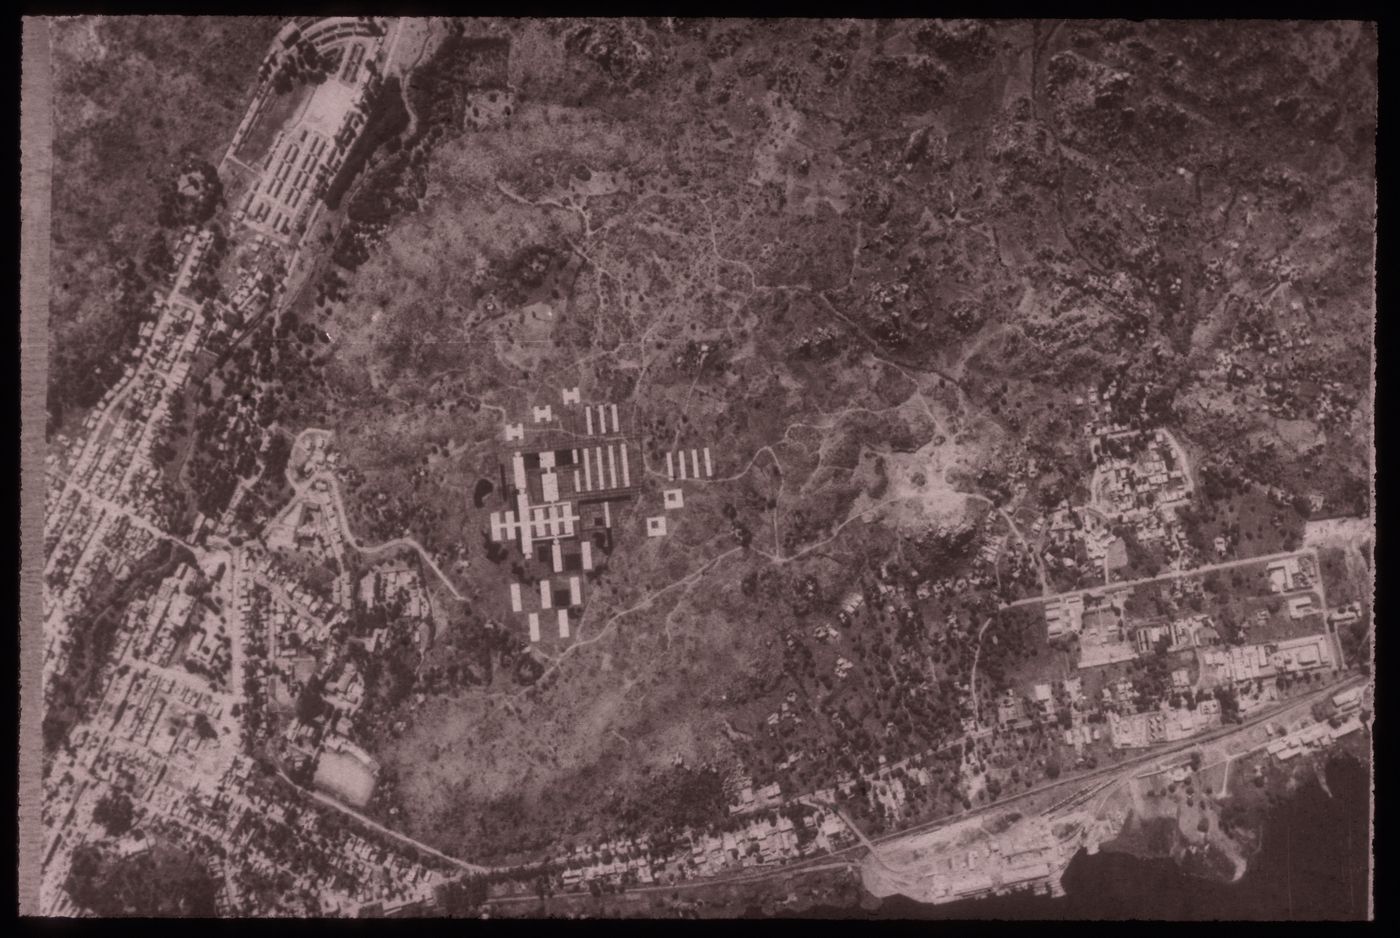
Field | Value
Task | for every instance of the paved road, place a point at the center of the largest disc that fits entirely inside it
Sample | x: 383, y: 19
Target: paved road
x: 849, y: 856
x: 1171, y: 575
x: 136, y: 520
x: 388, y: 832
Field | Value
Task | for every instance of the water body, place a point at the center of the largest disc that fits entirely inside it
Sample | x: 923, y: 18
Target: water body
x: 1313, y: 865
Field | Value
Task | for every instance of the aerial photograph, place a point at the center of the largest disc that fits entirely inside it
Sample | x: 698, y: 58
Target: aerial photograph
x: 675, y: 468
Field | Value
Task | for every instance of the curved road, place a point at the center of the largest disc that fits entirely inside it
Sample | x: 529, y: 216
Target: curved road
x: 344, y: 522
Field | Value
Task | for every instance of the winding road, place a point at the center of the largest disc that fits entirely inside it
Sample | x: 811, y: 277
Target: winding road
x: 304, y: 491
